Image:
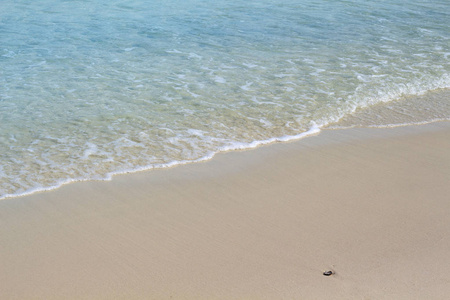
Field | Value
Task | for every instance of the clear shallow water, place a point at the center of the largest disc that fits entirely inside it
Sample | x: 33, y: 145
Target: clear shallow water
x: 92, y: 88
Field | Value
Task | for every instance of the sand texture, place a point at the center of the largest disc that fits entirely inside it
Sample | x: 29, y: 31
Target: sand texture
x: 372, y: 205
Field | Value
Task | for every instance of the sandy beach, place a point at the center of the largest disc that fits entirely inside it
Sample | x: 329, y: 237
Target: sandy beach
x: 371, y: 205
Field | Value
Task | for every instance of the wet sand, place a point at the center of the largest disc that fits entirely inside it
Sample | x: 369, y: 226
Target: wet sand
x: 371, y: 205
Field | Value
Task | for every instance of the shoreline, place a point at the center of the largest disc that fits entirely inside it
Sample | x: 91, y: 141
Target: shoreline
x: 238, y: 147
x: 241, y: 146
x: 368, y: 203
x: 381, y: 115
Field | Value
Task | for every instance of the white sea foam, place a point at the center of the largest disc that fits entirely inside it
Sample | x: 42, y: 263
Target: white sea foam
x: 108, y: 177
x: 246, y: 86
x: 251, y: 66
x: 174, y: 51
x: 91, y: 149
x: 219, y: 79
x: 407, y: 124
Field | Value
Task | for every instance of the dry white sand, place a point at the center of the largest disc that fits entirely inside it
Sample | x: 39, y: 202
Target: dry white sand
x: 373, y: 205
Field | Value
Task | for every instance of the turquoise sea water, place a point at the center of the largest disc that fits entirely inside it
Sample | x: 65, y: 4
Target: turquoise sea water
x: 91, y: 88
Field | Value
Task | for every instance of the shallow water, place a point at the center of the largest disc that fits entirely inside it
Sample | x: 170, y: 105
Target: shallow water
x: 93, y: 88
x: 431, y: 106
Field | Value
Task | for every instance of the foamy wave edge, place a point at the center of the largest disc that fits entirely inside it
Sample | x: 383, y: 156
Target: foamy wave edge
x: 394, y: 125
x: 314, y: 130
x: 442, y: 83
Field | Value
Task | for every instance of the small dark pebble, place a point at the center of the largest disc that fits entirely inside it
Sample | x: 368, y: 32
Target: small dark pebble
x: 328, y: 273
